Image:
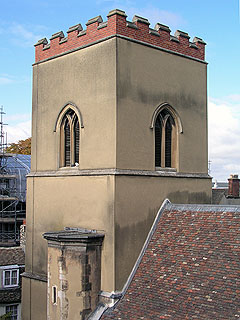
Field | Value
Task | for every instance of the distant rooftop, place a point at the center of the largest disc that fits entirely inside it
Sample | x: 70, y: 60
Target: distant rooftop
x: 12, y: 256
x: 17, y: 165
x: 219, y: 185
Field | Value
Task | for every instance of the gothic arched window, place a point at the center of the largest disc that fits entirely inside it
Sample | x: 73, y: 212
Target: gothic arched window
x: 165, y: 140
x: 70, y: 139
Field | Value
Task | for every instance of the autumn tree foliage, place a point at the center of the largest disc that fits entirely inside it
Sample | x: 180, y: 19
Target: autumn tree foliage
x: 21, y: 147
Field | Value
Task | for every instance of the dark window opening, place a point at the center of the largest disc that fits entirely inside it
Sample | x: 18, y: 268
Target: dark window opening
x: 76, y: 140
x: 70, y: 140
x: 67, y: 144
x: 158, y: 142
x: 54, y: 295
x: 168, y: 144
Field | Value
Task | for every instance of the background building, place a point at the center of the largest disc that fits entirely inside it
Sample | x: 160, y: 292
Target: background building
x: 12, y: 262
x: 226, y: 193
x: 13, y: 171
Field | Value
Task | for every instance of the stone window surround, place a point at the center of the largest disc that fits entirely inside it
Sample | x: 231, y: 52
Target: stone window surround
x: 176, y: 130
x: 59, y: 130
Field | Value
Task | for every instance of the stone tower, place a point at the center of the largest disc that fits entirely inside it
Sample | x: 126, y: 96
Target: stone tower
x: 119, y: 124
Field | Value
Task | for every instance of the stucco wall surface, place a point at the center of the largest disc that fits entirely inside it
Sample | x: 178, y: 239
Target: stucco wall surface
x: 60, y: 202
x: 86, y: 78
x: 34, y: 302
x: 146, y: 78
x: 138, y: 200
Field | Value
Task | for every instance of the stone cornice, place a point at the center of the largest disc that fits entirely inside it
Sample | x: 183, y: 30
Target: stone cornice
x: 34, y: 276
x: 117, y: 172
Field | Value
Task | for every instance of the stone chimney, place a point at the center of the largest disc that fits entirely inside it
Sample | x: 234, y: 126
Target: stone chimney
x: 233, y: 186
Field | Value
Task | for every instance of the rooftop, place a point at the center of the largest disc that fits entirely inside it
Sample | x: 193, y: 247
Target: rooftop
x: 12, y: 256
x: 188, y: 268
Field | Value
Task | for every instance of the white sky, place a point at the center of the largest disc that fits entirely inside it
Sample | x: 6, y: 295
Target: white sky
x: 223, y: 137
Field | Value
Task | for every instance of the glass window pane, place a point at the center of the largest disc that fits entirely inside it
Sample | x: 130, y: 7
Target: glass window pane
x: 13, y: 309
x: 14, y: 277
x: 168, y: 144
x: 76, y: 141
x: 7, y: 278
x: 67, y: 144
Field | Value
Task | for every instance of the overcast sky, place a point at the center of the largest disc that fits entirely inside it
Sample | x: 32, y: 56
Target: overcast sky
x: 217, y: 22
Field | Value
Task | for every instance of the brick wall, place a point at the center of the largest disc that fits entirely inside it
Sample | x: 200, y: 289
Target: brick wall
x: 117, y: 24
x: 233, y: 186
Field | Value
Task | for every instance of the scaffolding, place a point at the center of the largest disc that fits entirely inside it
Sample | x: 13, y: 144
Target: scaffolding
x: 13, y: 171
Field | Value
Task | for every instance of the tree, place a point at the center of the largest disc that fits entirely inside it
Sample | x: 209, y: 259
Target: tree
x: 21, y: 147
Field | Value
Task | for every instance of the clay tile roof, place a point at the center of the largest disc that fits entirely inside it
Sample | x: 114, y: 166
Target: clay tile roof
x: 11, y: 295
x: 190, y: 268
x: 10, y: 256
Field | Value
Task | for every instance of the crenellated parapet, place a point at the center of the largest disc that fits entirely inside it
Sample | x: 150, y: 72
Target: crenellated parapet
x: 138, y: 29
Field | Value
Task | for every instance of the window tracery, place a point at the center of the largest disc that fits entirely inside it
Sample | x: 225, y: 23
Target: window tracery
x: 165, y: 140
x: 70, y: 139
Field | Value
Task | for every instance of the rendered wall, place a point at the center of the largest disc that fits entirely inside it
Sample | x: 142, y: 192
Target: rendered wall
x: 67, y: 201
x: 138, y: 199
x: 147, y: 78
x: 86, y: 78
x: 34, y: 302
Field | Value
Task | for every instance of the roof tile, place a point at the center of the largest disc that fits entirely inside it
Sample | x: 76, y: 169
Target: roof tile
x: 190, y: 269
x: 11, y: 256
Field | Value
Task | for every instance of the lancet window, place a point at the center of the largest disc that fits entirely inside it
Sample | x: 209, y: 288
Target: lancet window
x: 70, y: 139
x: 165, y: 140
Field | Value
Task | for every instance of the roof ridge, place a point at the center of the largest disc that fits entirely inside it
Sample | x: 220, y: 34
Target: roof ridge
x: 206, y: 207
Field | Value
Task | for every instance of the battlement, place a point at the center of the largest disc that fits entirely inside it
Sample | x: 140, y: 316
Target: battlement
x: 137, y: 29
